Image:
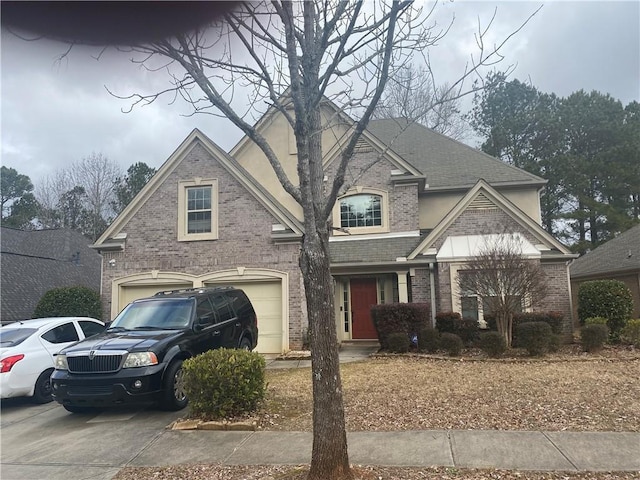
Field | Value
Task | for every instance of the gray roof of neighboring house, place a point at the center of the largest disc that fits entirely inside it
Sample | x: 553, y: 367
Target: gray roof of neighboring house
x: 445, y: 162
x: 381, y: 250
x: 620, y: 254
x: 33, y: 262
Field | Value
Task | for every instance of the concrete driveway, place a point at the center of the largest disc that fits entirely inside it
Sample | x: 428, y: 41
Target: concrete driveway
x: 45, y: 441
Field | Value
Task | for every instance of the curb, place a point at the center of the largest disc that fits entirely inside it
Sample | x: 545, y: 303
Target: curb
x: 249, y: 426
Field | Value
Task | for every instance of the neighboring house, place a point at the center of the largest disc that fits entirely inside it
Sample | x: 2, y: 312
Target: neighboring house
x: 617, y: 259
x: 416, y: 207
x: 35, y: 261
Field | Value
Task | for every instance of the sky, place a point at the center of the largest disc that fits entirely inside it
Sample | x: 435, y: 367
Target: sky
x: 55, y: 112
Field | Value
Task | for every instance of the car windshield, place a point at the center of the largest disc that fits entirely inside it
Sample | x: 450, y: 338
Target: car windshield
x: 167, y: 314
x: 11, y: 337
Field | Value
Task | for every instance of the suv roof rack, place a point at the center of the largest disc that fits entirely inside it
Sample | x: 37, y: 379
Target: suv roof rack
x: 192, y: 290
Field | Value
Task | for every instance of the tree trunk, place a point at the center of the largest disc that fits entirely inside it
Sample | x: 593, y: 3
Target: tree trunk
x: 329, y: 458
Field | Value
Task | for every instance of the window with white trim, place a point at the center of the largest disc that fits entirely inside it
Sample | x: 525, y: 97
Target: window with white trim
x: 197, y: 215
x: 362, y: 211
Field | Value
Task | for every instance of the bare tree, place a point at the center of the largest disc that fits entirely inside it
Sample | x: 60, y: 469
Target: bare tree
x: 292, y: 57
x: 412, y: 94
x: 96, y: 175
x: 504, y: 278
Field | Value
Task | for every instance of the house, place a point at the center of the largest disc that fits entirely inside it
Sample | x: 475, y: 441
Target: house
x: 415, y: 207
x: 617, y: 259
x: 35, y: 261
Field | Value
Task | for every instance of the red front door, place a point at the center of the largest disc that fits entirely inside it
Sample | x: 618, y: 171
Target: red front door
x: 364, y: 293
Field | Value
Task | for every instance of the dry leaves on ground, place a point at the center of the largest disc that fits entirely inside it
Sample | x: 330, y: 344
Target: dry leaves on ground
x: 288, y: 472
x: 420, y: 393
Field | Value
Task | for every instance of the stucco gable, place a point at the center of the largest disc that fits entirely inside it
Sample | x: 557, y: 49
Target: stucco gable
x: 483, y: 196
x: 194, y: 139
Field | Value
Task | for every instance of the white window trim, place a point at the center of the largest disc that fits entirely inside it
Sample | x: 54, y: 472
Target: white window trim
x: 183, y: 185
x: 384, y: 228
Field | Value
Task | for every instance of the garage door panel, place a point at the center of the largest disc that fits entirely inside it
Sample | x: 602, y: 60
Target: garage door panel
x: 266, y: 298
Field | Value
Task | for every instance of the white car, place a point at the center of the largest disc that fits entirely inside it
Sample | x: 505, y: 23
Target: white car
x: 28, y: 349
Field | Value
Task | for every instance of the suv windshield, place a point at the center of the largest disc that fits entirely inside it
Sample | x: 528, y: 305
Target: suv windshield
x: 154, y: 314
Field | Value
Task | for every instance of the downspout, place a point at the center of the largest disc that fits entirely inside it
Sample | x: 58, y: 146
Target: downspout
x: 432, y: 291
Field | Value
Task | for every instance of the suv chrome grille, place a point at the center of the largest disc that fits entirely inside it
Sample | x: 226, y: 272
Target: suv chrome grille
x: 98, y: 362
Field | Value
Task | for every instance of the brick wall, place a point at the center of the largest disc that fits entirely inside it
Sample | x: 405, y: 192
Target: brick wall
x: 244, y: 231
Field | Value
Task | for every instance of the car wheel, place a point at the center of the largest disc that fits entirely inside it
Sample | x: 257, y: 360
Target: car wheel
x: 76, y: 409
x: 245, y: 344
x: 175, y: 395
x: 42, y: 390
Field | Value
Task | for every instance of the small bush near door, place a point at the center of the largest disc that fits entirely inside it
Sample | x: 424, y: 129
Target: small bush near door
x: 225, y: 382
x: 451, y: 343
x: 399, y: 317
x: 399, y: 342
x: 593, y: 337
x: 428, y: 340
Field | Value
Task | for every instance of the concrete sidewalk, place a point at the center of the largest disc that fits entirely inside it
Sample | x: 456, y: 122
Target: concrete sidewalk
x: 349, y: 352
x: 515, y: 450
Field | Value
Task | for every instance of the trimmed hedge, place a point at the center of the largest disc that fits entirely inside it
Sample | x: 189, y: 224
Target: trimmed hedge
x: 399, y: 342
x: 535, y: 337
x: 224, y: 382
x: 428, y: 339
x: 406, y: 318
x: 452, y: 322
x: 610, y: 299
x: 451, y: 343
x: 631, y: 332
x: 593, y: 336
x: 554, y: 319
x: 75, y: 301
x: 493, y: 344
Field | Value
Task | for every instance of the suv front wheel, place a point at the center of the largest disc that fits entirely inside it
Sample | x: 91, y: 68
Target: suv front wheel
x: 175, y: 396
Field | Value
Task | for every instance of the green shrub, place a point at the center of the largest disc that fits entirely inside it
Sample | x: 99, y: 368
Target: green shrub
x: 451, y: 343
x: 446, y: 321
x: 593, y: 336
x: 75, y: 301
x: 451, y: 322
x: 224, y: 382
x: 399, y: 317
x: 610, y: 299
x: 631, y: 332
x: 554, y: 319
x: 554, y: 342
x: 534, y: 337
x: 493, y: 344
x: 595, y: 321
x: 399, y: 342
x: 428, y: 339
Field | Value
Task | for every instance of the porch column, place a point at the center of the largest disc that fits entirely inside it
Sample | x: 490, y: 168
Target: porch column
x: 403, y: 290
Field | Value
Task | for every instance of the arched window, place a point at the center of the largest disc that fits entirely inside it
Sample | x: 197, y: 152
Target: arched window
x: 362, y: 210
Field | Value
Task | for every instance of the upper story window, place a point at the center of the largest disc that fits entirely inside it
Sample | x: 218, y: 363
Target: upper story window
x: 197, y: 209
x: 362, y: 211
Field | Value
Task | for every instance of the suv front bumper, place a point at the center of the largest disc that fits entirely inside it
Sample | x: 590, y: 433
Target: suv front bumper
x: 109, y: 390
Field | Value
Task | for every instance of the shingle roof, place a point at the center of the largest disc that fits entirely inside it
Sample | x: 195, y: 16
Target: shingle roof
x: 33, y: 262
x: 372, y: 250
x: 445, y: 162
x: 619, y: 254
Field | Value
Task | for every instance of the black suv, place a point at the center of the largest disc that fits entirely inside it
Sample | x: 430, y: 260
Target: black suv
x: 138, y: 358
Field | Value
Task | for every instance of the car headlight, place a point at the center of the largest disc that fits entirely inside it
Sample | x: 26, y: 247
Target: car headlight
x: 140, y: 359
x: 61, y: 362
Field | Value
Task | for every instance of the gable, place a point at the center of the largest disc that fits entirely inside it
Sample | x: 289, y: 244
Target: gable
x: 196, y: 158
x: 484, y: 208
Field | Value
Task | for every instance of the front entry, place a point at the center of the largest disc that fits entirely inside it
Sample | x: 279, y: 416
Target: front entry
x: 364, y: 293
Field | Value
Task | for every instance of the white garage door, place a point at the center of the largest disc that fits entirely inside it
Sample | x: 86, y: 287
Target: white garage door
x: 129, y: 293
x: 266, y: 297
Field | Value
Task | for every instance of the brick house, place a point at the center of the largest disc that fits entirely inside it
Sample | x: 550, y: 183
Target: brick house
x: 414, y: 204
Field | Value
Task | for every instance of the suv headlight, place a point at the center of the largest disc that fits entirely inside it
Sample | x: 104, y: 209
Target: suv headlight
x: 140, y: 359
x: 61, y: 362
